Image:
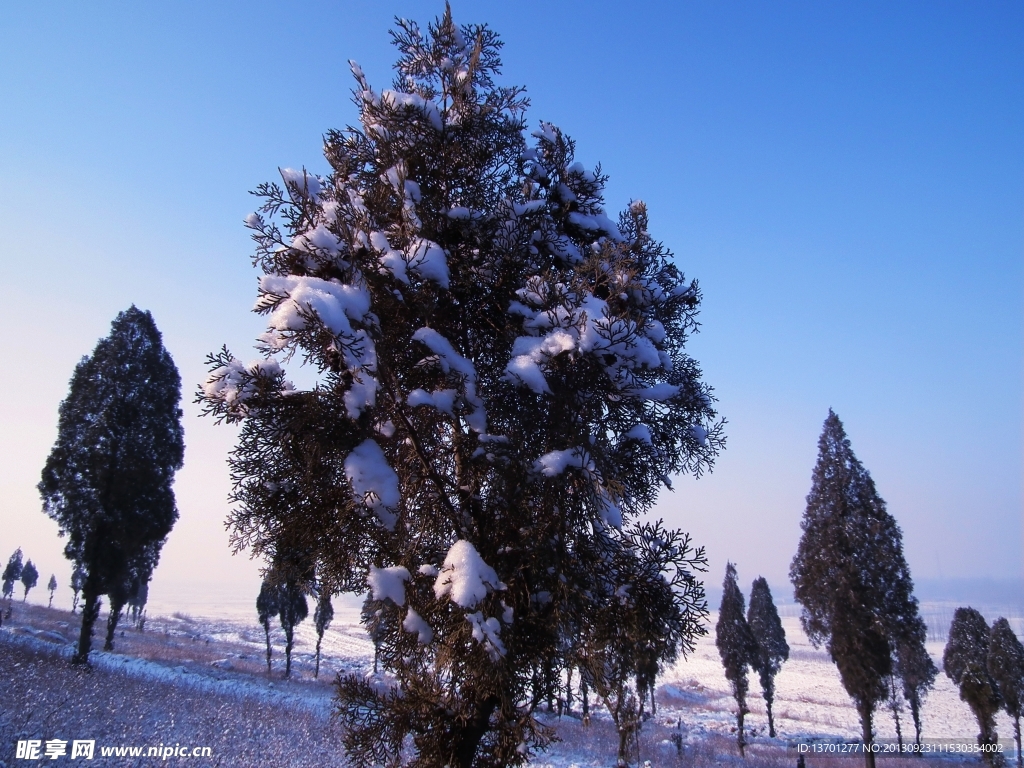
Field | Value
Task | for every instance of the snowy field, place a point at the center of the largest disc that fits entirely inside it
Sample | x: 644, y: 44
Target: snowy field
x: 218, y: 663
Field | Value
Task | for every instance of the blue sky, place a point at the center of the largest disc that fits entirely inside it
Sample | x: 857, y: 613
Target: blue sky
x: 846, y: 181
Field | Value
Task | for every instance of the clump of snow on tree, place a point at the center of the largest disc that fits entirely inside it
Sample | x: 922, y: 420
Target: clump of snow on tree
x: 465, y: 577
x: 374, y: 482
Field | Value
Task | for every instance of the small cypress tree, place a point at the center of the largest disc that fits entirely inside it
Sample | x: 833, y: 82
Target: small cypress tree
x: 1006, y: 666
x: 736, y: 645
x: 267, y: 607
x: 772, y: 648
x: 52, y: 586
x: 29, y: 578
x: 77, y: 580
x: 915, y: 668
x: 292, y: 610
x: 322, y: 617
x: 12, y: 573
x: 966, y: 663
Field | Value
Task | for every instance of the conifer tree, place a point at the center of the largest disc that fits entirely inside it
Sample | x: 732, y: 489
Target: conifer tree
x: 267, y: 607
x: 12, y: 573
x: 965, y: 661
x: 29, y: 578
x: 52, y: 586
x: 914, y: 667
x: 859, y: 613
x: 772, y: 648
x: 293, y: 610
x: 322, y: 616
x: 503, y: 389
x: 108, y: 480
x: 1006, y: 666
x: 736, y: 645
x: 77, y: 580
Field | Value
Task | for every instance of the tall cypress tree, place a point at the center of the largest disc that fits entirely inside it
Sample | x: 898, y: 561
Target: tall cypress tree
x: 29, y: 578
x: 914, y: 667
x: 850, y: 576
x: 107, y: 482
x: 268, y: 605
x: 772, y: 648
x: 504, y: 387
x: 965, y: 661
x: 77, y: 580
x: 1006, y: 666
x: 322, y: 616
x: 52, y: 586
x: 736, y: 645
x: 12, y: 572
x: 293, y: 610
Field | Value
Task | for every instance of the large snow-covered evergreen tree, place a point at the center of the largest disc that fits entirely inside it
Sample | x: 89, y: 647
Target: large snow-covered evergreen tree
x: 503, y: 386
x: 108, y: 480
x: 736, y: 646
x: 772, y: 648
x: 965, y: 661
x: 850, y: 576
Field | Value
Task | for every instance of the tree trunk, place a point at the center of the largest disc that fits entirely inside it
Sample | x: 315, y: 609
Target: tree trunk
x: 473, y: 732
x: 266, y: 631
x: 769, y: 699
x: 915, y: 713
x: 585, y: 697
x: 1016, y: 734
x: 289, y: 634
x: 866, y: 710
x: 90, y: 611
x: 316, y: 672
x: 740, y: 741
x: 112, y: 618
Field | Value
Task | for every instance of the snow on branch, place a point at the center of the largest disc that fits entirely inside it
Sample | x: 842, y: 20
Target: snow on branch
x: 374, y: 482
x: 465, y: 577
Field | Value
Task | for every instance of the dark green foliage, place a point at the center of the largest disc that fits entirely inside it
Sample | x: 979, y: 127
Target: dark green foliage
x: 12, y: 572
x: 965, y: 662
x: 649, y: 613
x: 850, y: 576
x: 108, y: 480
x: 503, y: 381
x: 267, y: 607
x: 29, y: 578
x: 322, y: 616
x: 293, y: 610
x: 736, y: 645
x: 914, y: 667
x: 52, y: 586
x: 1006, y: 666
x: 772, y: 648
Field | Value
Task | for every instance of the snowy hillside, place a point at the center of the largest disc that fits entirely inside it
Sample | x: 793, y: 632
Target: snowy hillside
x: 202, y: 680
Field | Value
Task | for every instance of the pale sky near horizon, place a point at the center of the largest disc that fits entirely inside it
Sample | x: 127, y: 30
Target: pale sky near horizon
x: 845, y: 180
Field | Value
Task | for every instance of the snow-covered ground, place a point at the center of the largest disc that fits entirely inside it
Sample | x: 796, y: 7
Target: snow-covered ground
x: 223, y: 655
